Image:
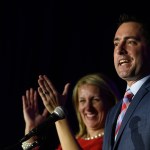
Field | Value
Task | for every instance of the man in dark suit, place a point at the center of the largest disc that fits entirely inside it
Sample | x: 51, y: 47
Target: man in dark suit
x: 132, y: 64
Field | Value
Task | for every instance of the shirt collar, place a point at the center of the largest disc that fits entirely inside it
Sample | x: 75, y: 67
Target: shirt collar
x: 136, y: 86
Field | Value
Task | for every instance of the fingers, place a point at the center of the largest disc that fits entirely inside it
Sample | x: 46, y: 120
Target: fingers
x: 51, y: 98
x: 25, y: 99
x: 46, y: 86
x: 49, y: 83
x: 30, y: 99
x: 41, y: 93
x: 47, y: 100
x: 48, y: 93
x: 35, y: 99
x: 65, y: 94
x: 31, y: 96
x: 66, y: 89
x: 23, y: 102
x: 47, y: 89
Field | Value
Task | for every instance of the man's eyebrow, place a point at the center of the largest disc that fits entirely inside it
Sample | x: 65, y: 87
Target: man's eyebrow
x: 116, y: 39
x: 126, y: 38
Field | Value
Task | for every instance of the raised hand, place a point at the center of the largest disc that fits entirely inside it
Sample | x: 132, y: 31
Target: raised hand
x: 50, y: 96
x: 31, y: 113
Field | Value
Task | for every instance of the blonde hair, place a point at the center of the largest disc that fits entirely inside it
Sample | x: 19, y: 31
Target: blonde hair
x: 108, y: 92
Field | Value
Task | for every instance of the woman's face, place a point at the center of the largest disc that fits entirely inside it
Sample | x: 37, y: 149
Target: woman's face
x: 91, y: 106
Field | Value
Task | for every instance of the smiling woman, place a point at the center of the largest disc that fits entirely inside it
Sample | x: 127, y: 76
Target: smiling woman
x: 93, y: 96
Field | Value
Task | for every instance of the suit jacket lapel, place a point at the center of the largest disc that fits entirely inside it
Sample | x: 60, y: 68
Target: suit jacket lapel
x: 135, y: 101
x: 114, y: 116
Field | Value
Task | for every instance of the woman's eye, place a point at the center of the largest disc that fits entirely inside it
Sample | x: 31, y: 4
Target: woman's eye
x: 81, y: 100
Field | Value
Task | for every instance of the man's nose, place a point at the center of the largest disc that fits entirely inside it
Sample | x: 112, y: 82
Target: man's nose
x: 121, y: 49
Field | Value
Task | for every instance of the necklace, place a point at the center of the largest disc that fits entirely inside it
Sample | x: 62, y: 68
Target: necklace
x: 94, y: 137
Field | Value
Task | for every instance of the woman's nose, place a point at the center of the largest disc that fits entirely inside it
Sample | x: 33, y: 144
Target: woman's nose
x: 89, y: 105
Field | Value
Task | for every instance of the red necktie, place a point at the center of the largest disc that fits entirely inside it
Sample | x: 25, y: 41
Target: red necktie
x: 126, y: 101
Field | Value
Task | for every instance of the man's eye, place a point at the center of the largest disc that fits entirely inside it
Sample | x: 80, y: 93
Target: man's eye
x: 116, y: 44
x: 132, y: 42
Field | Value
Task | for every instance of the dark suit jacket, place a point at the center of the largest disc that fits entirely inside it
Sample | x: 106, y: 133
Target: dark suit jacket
x: 134, y: 133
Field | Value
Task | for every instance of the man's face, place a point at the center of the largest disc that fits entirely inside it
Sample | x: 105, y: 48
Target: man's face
x: 130, y: 50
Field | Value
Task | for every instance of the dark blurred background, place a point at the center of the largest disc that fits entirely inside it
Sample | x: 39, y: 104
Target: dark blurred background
x: 62, y: 39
